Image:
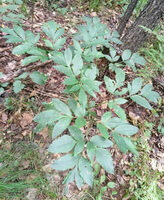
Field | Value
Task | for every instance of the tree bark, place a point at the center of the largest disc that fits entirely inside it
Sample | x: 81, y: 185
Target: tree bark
x: 149, y: 17
x: 126, y: 17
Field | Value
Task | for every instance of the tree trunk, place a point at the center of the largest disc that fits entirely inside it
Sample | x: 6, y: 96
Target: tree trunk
x: 126, y: 17
x: 149, y: 17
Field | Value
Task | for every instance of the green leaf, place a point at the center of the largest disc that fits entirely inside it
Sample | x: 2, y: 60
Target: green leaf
x: 111, y: 184
x: 36, y: 51
x: 99, y: 141
x: 122, y: 92
x: 18, y: 86
x: 50, y: 29
x: 22, y: 76
x: 70, y: 81
x: 79, y: 147
x: 65, y: 162
x: 120, y: 77
x: 136, y: 86
x: 77, y: 64
x: 86, y: 171
x: 47, y: 117
x: 89, y: 90
x: 120, y: 112
x: 76, y: 133
x: 77, y: 46
x: 1, y: 90
x: 114, y: 122
x: 149, y: 94
x: 126, y: 54
x: 19, y: 2
x: 126, y: 129
x: 30, y: 59
x: 75, y: 88
x: 141, y: 101
x: 59, y: 43
x: 20, y: 32
x: 82, y: 98
x: 103, y: 131
x: 106, y: 117
x: 120, y: 142
x: 1, y: 75
x: 80, y: 122
x: 146, y: 89
x: 91, y: 150
x: 62, y: 145
x: 120, y: 101
x: 152, y: 96
x: 21, y: 49
x: 103, y: 157
x: 38, y: 78
x: 68, y: 56
x: 130, y: 146
x: 78, y: 179
x: 61, y: 126
x: 48, y: 43
x: 113, y: 53
x: 61, y: 107
x: 70, y: 177
x: 110, y: 84
x: 63, y: 70
x: 58, y: 58
x: 138, y: 59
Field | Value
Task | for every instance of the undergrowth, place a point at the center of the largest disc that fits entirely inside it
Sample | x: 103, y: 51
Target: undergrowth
x: 143, y: 179
x: 154, y: 54
x: 21, y: 169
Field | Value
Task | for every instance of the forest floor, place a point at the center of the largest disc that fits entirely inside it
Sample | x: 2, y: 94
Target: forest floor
x: 25, y: 171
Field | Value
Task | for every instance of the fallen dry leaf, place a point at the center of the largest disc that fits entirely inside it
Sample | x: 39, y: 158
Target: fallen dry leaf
x: 94, y: 14
x: 104, y: 105
x: 4, y: 117
x: 44, y: 133
x: 26, y: 132
x: 26, y: 164
x: 47, y: 168
x: 27, y: 118
x: 135, y: 118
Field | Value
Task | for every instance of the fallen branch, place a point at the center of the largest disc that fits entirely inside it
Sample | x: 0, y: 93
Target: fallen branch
x: 10, y: 77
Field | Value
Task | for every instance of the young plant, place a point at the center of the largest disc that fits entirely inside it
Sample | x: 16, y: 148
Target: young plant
x: 10, y: 9
x: 35, y: 76
x: 76, y: 128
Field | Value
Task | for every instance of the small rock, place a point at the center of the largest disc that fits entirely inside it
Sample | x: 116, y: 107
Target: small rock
x: 32, y: 192
x: 47, y: 168
x: 94, y: 14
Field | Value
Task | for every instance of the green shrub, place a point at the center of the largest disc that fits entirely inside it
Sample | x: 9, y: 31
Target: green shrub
x: 90, y: 144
